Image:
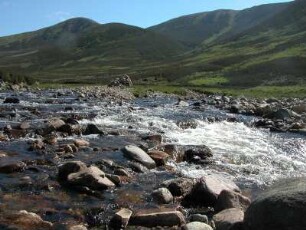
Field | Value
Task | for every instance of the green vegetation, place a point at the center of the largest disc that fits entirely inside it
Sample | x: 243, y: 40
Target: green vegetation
x: 257, y: 51
x: 15, y: 78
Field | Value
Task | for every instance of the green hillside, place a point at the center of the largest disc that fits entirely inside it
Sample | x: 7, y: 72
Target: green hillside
x: 263, y: 45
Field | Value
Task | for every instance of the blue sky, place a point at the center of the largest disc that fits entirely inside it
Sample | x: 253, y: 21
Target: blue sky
x: 26, y: 15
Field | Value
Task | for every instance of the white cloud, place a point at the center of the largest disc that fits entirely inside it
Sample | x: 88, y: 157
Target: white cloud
x: 59, y: 16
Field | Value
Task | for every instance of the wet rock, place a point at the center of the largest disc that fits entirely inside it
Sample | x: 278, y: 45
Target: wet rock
x: 121, y: 219
x: 124, y: 80
x: 50, y: 139
x: 70, y: 129
x: 281, y: 207
x: 159, y: 157
x: 189, y: 124
x: 199, y: 218
x: 163, y: 219
x: 24, y: 125
x: 122, y: 172
x: 11, y: 100
x: 137, y: 167
x: 24, y: 220
x: 182, y: 103
x: 198, y: 154
x: 114, y: 178
x: 155, y: 138
x: 81, y: 143
x: 197, y: 226
x: 56, y: 123
x: 18, y: 166
x: 137, y: 154
x: 37, y: 145
x: 162, y: 196
x: 228, y: 219
x: 92, y: 129
x: 206, y: 191
x: 300, y: 108
x: 77, y: 227
x: 230, y: 199
x: 179, y: 186
x: 77, y: 173
x: 281, y: 114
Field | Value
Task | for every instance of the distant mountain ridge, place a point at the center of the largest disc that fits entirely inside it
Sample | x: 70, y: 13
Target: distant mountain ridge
x: 259, y: 45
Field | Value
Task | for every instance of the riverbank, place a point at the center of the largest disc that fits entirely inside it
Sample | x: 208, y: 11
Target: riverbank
x: 94, y: 157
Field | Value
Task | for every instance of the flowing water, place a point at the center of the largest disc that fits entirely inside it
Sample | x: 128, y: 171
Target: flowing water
x: 251, y: 157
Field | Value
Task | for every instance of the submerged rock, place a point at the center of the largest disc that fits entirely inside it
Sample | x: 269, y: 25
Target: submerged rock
x: 137, y: 154
x: 24, y: 220
x: 281, y: 207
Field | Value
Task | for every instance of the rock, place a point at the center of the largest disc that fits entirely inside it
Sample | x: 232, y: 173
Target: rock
x: 70, y: 167
x: 114, y: 178
x: 8, y: 168
x: 81, y: 143
x: 137, y: 167
x: 37, y: 145
x: 50, y: 139
x: 25, y: 220
x: 70, y: 129
x: 11, y: 100
x: 230, y: 199
x: 77, y: 227
x: 155, y: 138
x: 281, y: 114
x: 56, y: 123
x: 162, y: 196
x: 206, y: 191
x: 24, y: 125
x: 197, y: 226
x: 182, y: 103
x: 92, y: 129
x: 91, y: 177
x: 163, y: 219
x: 179, y: 186
x: 159, y: 157
x: 122, y: 172
x: 199, y: 218
x: 281, y: 207
x: 301, y: 108
x: 124, y: 80
x: 228, y: 219
x: 121, y: 219
x: 137, y: 154
x: 198, y: 154
x: 189, y: 124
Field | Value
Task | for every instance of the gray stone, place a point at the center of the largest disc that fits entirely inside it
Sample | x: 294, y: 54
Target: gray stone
x: 18, y: 166
x: 162, y: 196
x: 197, y: 226
x: 228, y: 219
x: 281, y: 207
x: 179, y: 186
x: 154, y: 219
x: 137, y: 154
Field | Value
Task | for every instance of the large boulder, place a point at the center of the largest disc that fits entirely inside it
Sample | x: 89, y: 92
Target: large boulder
x: 154, y: 219
x: 137, y: 154
x: 229, y: 219
x: 124, y: 80
x: 206, y: 191
x: 281, y: 207
x: 179, y: 186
